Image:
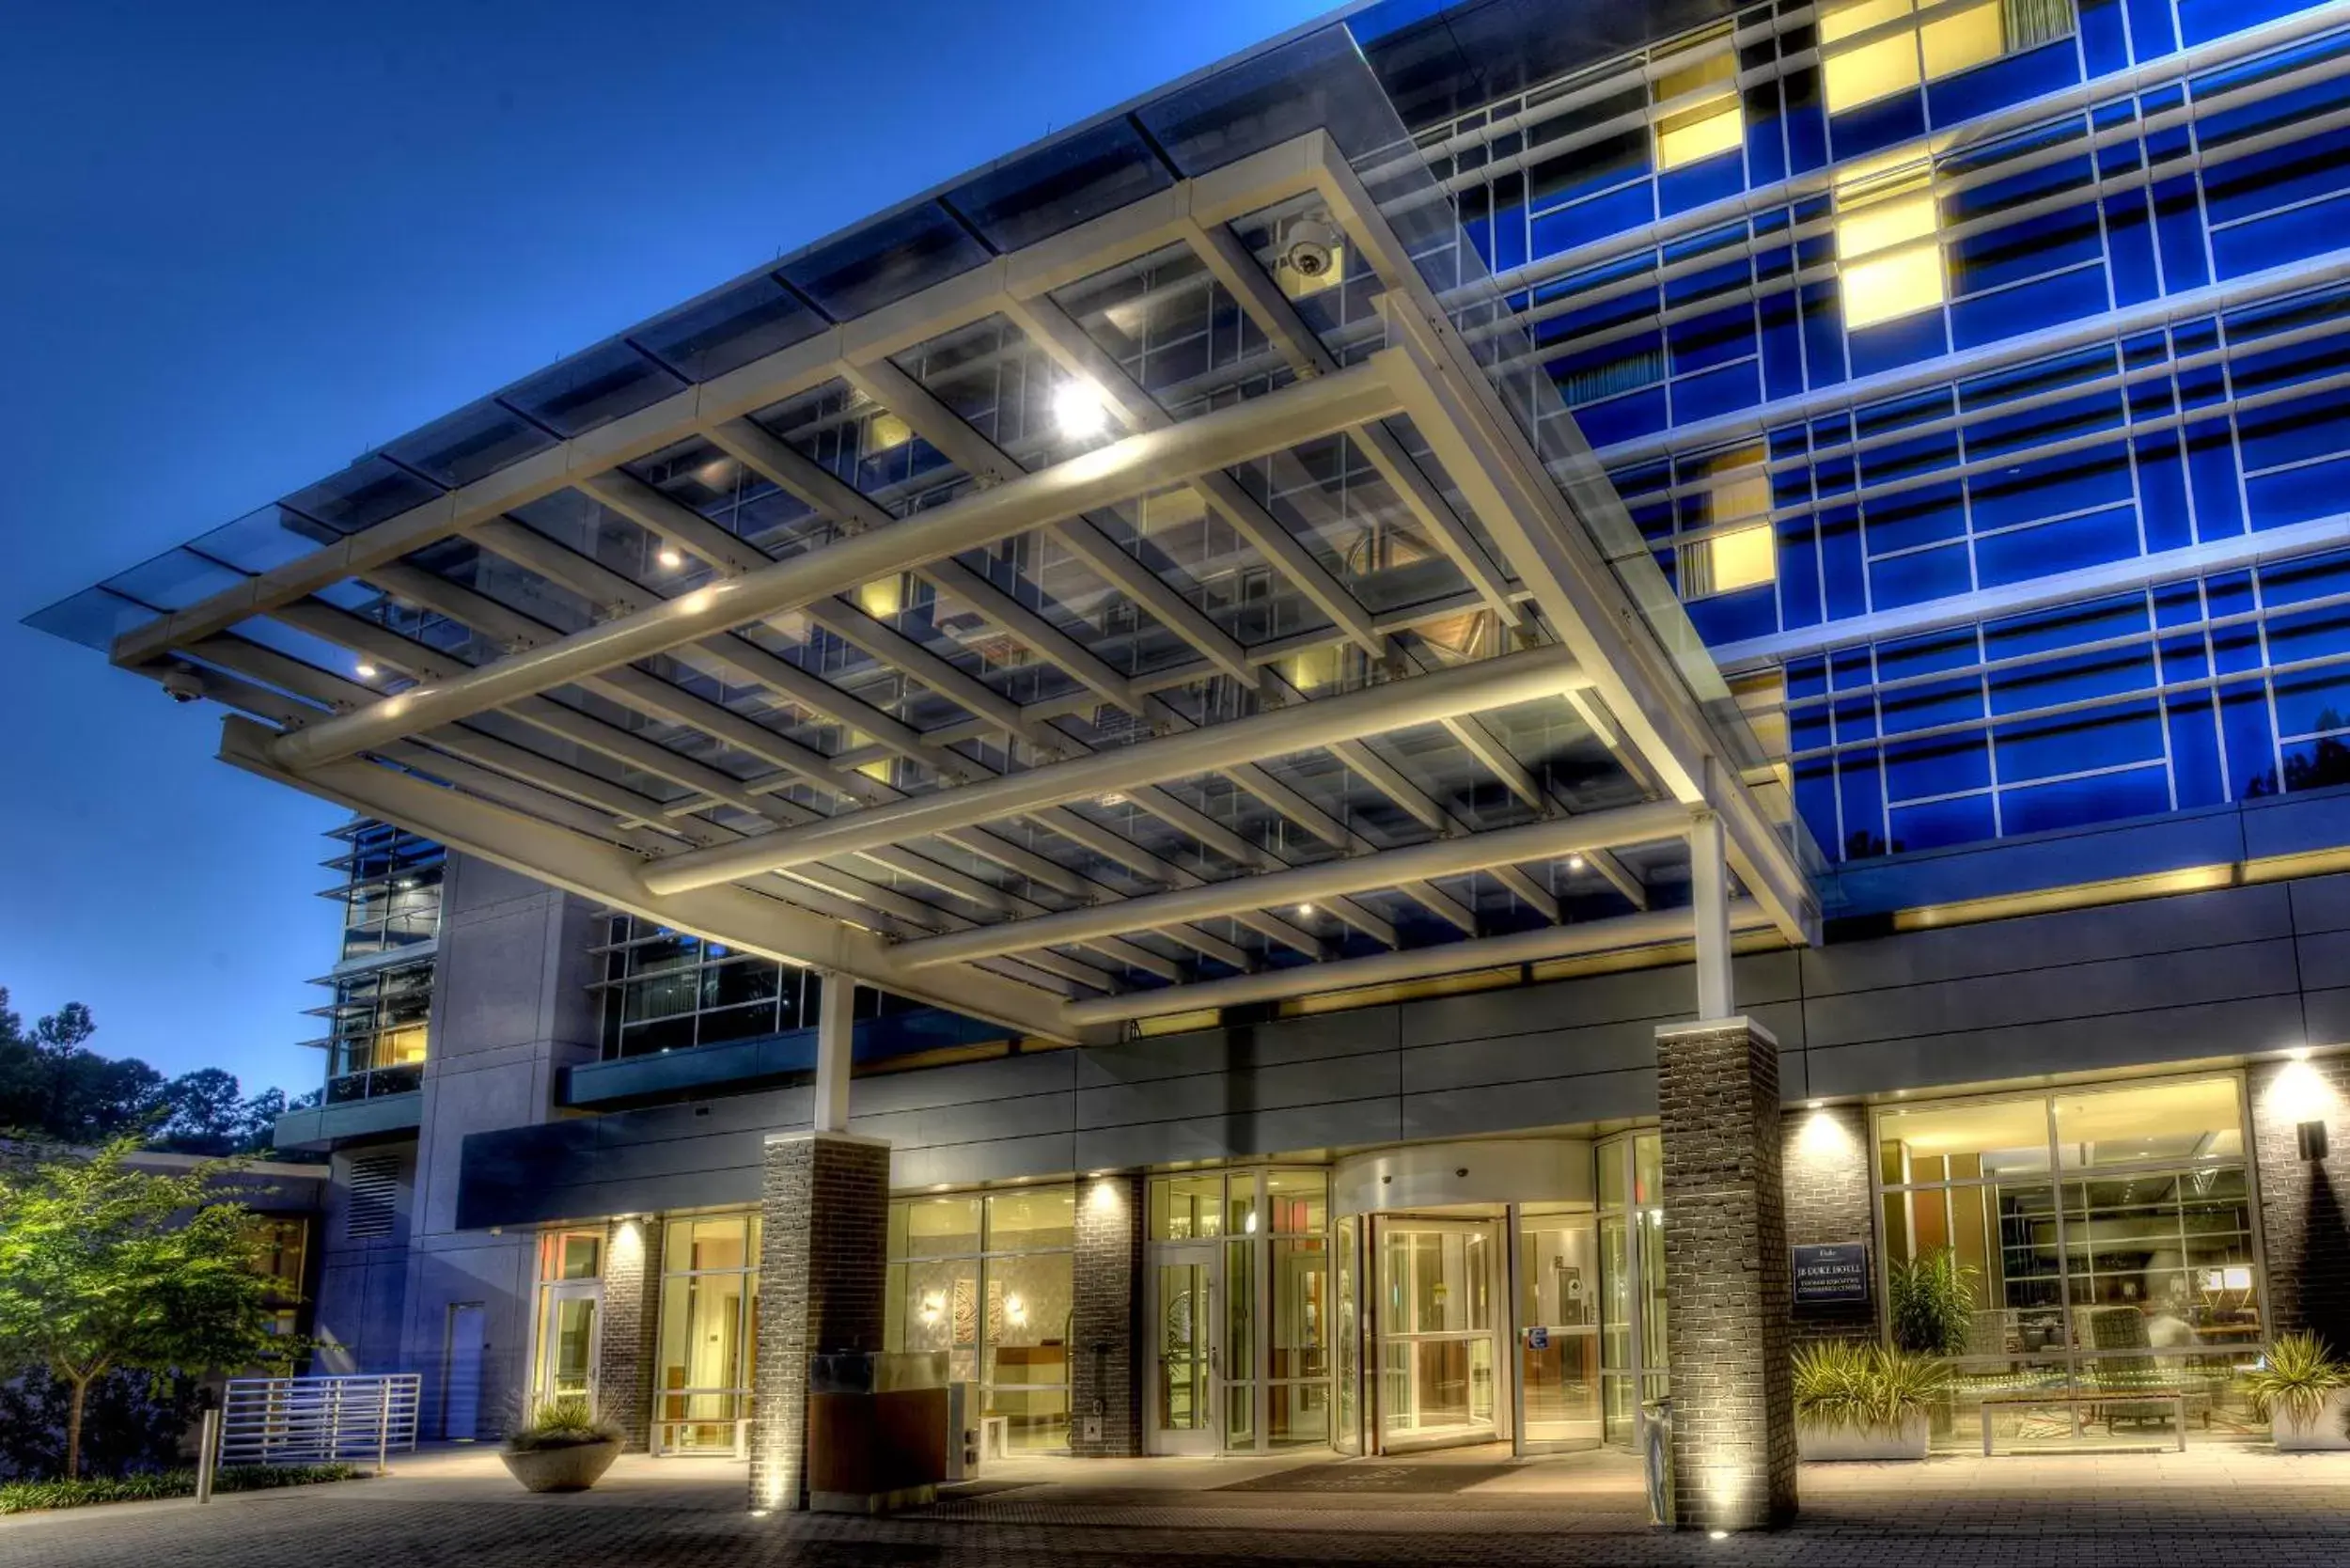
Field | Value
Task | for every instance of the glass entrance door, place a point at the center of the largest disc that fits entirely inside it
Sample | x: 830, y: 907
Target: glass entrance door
x: 1186, y: 1386
x: 1438, y: 1354
x: 1557, y: 1331
x: 566, y: 1340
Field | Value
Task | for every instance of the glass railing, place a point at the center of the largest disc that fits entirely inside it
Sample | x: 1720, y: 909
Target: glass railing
x: 374, y: 1083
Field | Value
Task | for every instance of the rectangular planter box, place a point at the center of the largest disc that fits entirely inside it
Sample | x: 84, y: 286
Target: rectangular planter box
x: 1821, y: 1444
x: 2325, y: 1433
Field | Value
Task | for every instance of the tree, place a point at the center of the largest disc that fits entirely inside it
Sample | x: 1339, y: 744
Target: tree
x: 52, y: 1085
x: 103, y: 1268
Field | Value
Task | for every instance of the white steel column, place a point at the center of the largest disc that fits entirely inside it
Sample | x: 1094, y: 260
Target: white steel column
x: 836, y: 1033
x: 1709, y: 887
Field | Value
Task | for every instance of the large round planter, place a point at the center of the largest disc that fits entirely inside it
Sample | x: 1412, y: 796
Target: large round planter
x: 2323, y: 1433
x: 1822, y: 1444
x: 574, y: 1468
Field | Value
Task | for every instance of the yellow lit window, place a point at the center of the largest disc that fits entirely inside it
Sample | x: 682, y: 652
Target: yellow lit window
x: 1883, y: 224
x: 1870, y: 70
x: 1897, y: 283
x: 400, y: 1048
x: 1700, y: 132
x: 1973, y: 36
x: 1724, y: 563
x: 1698, y: 98
x: 1838, y: 22
x: 1739, y: 496
x: 1890, y: 261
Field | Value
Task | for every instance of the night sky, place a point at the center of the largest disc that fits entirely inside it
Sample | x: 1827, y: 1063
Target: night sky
x: 245, y: 243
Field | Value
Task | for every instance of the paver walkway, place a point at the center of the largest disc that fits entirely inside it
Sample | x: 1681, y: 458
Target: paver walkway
x: 2240, y: 1507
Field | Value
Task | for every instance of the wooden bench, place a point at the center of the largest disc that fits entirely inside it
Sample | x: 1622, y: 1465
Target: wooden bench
x: 2075, y: 1398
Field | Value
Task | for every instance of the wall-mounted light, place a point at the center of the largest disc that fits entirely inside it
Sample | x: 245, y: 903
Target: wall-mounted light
x: 1015, y: 1309
x: 2311, y: 1137
x: 933, y: 1305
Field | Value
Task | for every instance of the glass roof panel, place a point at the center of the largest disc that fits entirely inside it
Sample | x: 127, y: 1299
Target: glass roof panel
x: 93, y: 618
x: 505, y: 727
x: 884, y: 260
x: 476, y: 440
x: 863, y: 445
x: 517, y: 588
x: 593, y: 388
x: 1059, y: 185
x: 1211, y: 563
x: 362, y: 496
x: 1331, y: 499
x: 1043, y: 574
x: 724, y: 331
x: 174, y: 580
x: 1354, y: 800
x: 1169, y: 325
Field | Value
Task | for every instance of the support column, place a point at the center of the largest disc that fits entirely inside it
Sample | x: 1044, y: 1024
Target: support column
x: 1106, y: 1297
x: 824, y: 1230
x: 835, y: 1042
x: 631, y: 1315
x: 1725, y: 1276
x: 1709, y: 909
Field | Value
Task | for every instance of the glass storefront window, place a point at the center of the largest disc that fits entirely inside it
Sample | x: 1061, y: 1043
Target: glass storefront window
x: 2136, y: 1268
x: 1271, y: 1277
x: 987, y: 1279
x: 709, y: 1333
x: 569, y: 1254
x: 1631, y: 1286
x: 1186, y: 1208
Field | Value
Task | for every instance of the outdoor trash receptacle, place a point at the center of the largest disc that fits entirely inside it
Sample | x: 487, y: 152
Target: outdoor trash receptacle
x: 876, y: 1430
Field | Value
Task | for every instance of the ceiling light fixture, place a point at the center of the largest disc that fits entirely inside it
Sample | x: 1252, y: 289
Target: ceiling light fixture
x: 1078, y: 410
x: 1575, y: 862
x: 1304, y: 909
x: 366, y: 671
x: 671, y: 558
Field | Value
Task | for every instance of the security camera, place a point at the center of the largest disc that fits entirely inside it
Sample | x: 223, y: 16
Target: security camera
x: 1311, y: 247
x: 181, y: 685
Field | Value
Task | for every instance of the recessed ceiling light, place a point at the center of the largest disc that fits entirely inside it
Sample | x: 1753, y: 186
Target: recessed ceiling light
x: 1112, y: 799
x: 1575, y: 862
x: 366, y: 671
x: 1304, y: 909
x: 671, y: 558
x: 1078, y: 410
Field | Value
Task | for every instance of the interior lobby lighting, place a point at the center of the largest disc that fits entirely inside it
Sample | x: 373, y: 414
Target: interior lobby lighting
x: 1078, y: 411
x: 671, y: 557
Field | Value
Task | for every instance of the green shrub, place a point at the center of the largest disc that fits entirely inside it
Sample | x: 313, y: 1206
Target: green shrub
x: 1844, y: 1383
x: 562, y: 1423
x: 1933, y: 1302
x: 26, y: 1497
x: 2295, y: 1378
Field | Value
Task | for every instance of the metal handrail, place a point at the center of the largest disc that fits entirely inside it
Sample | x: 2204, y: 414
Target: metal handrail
x: 317, y: 1421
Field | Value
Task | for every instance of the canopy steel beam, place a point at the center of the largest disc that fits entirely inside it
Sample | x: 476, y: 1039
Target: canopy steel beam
x: 1242, y: 186
x: 581, y: 865
x: 1538, y: 527
x: 1548, y: 841
x: 1116, y: 472
x: 1393, y: 705
x: 1651, y: 928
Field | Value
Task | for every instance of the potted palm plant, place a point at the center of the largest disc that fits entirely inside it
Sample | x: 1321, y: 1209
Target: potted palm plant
x: 563, y: 1447
x: 2304, y: 1392
x: 1856, y: 1401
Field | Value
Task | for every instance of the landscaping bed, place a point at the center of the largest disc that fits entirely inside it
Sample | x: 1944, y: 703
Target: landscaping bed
x: 28, y: 1497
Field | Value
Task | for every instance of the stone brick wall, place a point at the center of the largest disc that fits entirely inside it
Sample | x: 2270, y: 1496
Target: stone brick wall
x: 625, y: 1350
x: 824, y: 1219
x: 1106, y: 1327
x: 1727, y: 1275
x: 2302, y: 1201
x: 1825, y: 1156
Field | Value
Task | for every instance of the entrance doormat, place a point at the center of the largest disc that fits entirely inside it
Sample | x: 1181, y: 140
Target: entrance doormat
x: 1350, y: 1475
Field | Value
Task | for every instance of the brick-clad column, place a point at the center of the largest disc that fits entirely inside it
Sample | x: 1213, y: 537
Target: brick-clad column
x: 631, y: 1315
x: 2302, y: 1222
x: 1824, y: 1158
x: 824, y: 1232
x: 1725, y: 1276
x: 1105, y: 1294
